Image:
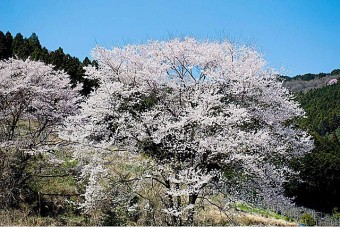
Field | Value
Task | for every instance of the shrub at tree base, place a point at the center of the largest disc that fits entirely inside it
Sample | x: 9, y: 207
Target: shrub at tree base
x: 307, y: 219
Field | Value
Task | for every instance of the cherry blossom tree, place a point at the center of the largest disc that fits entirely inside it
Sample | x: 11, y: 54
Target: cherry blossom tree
x: 35, y: 100
x: 203, y: 111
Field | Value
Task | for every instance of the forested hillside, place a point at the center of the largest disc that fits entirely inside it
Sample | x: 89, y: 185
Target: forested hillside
x: 319, y: 186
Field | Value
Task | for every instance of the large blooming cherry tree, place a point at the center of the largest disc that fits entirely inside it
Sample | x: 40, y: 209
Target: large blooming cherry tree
x: 35, y: 100
x: 201, y: 110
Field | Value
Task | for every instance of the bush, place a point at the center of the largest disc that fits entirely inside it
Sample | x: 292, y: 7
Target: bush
x: 307, y: 219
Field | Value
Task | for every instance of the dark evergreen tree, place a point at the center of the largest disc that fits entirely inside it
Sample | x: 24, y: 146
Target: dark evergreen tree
x: 335, y: 72
x: 18, y: 41
x: 34, y: 47
x: 3, y: 46
x: 34, y: 42
x: 87, y: 61
x: 20, y: 46
x: 9, y: 39
x: 57, y: 58
x: 44, y: 55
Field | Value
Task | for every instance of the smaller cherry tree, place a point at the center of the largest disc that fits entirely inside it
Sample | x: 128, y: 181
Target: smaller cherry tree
x: 35, y: 100
x: 202, y: 111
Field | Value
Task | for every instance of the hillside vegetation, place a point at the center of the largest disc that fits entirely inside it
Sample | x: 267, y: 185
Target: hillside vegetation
x: 319, y: 183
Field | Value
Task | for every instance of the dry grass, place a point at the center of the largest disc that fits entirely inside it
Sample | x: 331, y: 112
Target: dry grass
x: 212, y: 216
x: 22, y: 217
x: 251, y: 219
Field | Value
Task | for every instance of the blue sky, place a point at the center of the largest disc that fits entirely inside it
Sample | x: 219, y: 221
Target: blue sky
x: 300, y: 36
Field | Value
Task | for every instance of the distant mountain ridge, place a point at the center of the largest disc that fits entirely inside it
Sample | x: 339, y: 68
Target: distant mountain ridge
x: 309, y: 81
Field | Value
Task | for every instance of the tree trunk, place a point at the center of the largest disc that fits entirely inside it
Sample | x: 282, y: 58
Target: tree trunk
x: 179, y: 204
x: 171, y: 203
x: 191, y: 212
